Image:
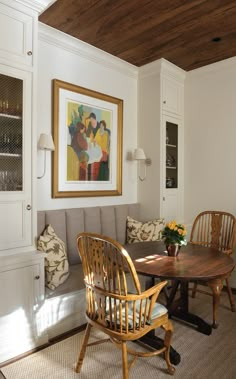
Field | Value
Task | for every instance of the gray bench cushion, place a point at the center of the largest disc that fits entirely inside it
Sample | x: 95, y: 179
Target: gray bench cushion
x: 68, y: 223
x: 108, y: 222
x: 75, y: 282
x: 74, y: 222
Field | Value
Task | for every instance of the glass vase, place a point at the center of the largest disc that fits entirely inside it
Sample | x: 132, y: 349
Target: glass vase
x: 173, y: 249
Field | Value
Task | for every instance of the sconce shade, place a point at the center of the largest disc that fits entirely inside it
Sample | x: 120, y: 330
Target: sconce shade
x: 46, y: 142
x: 139, y: 154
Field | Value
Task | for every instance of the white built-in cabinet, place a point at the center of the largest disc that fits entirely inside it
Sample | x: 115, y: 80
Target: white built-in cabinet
x: 171, y: 198
x: 21, y: 266
x: 160, y: 134
x: 16, y: 43
x: 22, y: 295
x: 15, y: 159
x: 171, y: 95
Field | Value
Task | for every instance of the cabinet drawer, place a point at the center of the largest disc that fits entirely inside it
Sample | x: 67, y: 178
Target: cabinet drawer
x: 16, y: 36
x: 172, y: 95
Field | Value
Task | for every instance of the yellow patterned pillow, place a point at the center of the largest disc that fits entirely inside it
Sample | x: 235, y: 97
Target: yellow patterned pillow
x: 56, y: 262
x: 137, y: 231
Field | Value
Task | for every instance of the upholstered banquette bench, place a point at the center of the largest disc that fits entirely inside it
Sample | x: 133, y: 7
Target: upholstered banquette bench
x: 65, y: 306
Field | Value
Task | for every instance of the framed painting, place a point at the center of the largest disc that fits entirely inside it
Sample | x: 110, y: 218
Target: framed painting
x: 87, y: 129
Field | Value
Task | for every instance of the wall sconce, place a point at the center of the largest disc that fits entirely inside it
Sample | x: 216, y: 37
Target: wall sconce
x: 140, y: 156
x: 46, y: 144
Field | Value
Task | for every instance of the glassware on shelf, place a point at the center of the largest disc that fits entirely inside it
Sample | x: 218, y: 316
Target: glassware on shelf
x: 2, y: 181
x: 170, y: 160
x: 10, y: 181
x: 170, y: 182
x: 11, y: 143
x: 167, y: 137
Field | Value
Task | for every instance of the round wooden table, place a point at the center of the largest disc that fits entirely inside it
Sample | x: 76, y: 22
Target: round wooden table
x: 193, y: 263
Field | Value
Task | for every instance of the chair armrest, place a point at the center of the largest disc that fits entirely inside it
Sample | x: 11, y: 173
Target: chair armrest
x: 153, y: 292
x: 228, y: 251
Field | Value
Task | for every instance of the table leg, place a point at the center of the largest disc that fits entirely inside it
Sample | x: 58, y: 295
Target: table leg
x: 216, y: 286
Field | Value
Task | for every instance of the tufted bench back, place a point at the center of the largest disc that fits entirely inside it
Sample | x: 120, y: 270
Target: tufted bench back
x: 68, y: 223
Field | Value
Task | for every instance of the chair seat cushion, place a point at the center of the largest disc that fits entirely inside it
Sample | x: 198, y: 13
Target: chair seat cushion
x: 158, y: 311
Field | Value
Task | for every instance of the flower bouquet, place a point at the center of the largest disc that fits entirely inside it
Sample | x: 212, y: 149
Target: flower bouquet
x: 174, y: 236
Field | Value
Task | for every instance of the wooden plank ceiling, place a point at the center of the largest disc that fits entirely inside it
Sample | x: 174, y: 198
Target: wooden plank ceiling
x: 141, y: 31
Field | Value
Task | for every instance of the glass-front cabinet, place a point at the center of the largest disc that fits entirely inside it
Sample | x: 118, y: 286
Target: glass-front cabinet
x: 171, y: 155
x: 172, y: 169
x: 15, y: 158
x: 11, y: 92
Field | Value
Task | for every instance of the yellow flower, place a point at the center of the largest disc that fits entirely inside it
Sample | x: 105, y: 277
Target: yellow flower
x: 171, y: 225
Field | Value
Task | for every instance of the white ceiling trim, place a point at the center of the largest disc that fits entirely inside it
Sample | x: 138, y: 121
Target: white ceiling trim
x: 37, y: 5
x: 83, y: 49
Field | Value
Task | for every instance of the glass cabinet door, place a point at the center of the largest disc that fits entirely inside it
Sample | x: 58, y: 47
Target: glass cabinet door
x: 11, y: 131
x: 171, y: 155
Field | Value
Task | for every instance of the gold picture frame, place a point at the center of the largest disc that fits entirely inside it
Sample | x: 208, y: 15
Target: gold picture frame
x: 88, y: 136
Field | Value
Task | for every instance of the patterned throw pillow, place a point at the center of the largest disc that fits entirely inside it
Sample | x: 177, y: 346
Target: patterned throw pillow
x: 144, y: 231
x: 56, y: 262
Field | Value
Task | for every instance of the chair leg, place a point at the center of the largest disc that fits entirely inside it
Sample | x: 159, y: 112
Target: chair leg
x: 194, y: 290
x: 167, y: 341
x: 232, y: 303
x: 125, y: 361
x: 83, y: 349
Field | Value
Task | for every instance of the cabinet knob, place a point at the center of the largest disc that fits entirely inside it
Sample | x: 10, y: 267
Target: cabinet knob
x: 28, y: 207
x: 164, y: 102
x: 29, y: 53
x: 37, y: 277
x: 164, y: 198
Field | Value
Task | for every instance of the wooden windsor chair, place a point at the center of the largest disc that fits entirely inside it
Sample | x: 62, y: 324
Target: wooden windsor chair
x: 215, y: 229
x: 121, y: 315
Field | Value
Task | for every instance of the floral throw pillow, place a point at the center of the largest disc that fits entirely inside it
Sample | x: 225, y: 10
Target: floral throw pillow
x: 56, y: 262
x: 137, y: 231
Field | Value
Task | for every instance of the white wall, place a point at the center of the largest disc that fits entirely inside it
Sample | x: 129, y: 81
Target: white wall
x: 210, y: 139
x: 149, y: 140
x: 65, y: 58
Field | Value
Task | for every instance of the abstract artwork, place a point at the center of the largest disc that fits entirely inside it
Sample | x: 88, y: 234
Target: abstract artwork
x: 88, y: 142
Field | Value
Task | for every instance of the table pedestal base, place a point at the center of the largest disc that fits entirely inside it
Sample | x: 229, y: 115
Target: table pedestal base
x: 202, y: 326
x: 157, y: 343
x: 179, y: 308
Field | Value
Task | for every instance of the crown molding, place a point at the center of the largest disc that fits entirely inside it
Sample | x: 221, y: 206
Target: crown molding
x: 225, y: 64
x: 164, y: 67
x: 37, y: 5
x: 84, y: 50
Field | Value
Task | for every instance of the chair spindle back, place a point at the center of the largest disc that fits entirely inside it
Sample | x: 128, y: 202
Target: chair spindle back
x: 214, y: 229
x: 107, y: 271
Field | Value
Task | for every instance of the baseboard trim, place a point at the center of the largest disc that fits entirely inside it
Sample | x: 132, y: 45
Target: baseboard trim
x: 51, y: 342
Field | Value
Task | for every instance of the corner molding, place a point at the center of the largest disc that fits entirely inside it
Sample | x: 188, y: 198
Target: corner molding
x: 37, y: 5
x: 64, y: 41
x: 162, y: 66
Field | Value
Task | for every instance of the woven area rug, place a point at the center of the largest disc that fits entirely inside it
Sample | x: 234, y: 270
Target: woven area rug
x: 202, y: 357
